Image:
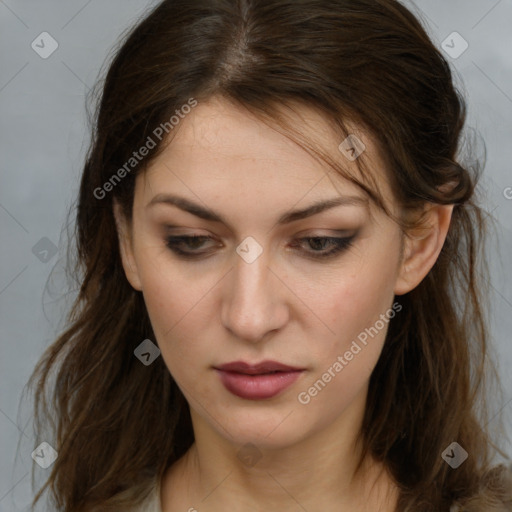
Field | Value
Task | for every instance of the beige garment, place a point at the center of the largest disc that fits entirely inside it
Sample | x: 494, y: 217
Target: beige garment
x: 152, y: 503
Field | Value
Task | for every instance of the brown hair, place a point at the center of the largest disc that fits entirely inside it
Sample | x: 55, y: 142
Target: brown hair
x: 118, y: 426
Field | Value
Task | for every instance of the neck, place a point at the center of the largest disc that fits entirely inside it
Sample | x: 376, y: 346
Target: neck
x: 315, y: 473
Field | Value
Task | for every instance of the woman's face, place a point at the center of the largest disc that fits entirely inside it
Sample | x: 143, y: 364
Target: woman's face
x: 259, y: 286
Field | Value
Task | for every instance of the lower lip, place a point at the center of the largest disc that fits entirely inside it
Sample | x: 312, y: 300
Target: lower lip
x: 257, y: 387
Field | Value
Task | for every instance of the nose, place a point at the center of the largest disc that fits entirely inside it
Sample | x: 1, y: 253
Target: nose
x: 254, y: 300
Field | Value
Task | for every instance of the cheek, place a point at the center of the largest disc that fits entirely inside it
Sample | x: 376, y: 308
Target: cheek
x: 358, y: 300
x: 180, y: 312
x: 165, y: 307
x: 170, y: 291
x: 357, y: 307
x: 176, y: 315
x: 344, y: 366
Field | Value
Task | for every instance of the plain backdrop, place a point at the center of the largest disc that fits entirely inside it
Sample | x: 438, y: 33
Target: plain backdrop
x: 44, y: 137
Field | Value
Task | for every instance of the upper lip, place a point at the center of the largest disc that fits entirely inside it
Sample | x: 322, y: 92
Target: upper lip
x: 255, y: 369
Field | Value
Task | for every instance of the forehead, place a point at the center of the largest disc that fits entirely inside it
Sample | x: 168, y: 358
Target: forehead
x: 220, y: 146
x: 226, y: 130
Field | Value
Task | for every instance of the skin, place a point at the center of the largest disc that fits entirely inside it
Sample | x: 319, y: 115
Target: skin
x: 284, y: 306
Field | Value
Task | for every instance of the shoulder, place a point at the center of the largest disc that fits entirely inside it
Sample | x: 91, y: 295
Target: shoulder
x: 494, y: 493
x: 152, y: 502
x: 150, y: 499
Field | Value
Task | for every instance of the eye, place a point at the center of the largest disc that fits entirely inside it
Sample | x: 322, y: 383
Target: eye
x: 189, y: 242
x: 319, y: 244
x: 187, y: 246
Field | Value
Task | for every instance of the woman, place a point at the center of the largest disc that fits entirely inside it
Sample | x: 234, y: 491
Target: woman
x: 280, y: 306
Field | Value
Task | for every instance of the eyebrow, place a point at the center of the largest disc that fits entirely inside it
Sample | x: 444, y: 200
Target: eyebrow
x: 286, y: 218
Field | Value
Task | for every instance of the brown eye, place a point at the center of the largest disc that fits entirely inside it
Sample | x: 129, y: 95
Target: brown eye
x: 186, y: 245
x: 189, y: 246
x: 320, y: 243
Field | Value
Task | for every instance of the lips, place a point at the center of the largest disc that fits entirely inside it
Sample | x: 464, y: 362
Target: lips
x: 259, y: 381
x: 256, y: 369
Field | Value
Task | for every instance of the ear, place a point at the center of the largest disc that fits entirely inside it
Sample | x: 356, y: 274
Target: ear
x: 124, y: 233
x: 422, y: 247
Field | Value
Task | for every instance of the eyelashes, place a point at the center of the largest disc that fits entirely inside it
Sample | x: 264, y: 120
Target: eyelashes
x: 337, y: 244
x: 186, y: 246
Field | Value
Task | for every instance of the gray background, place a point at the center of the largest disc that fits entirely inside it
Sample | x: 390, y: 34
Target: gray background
x: 43, y: 142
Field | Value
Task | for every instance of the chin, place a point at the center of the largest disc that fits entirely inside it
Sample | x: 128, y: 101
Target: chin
x: 266, y: 433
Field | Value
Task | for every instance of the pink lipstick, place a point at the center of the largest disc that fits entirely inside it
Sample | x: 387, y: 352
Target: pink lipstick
x: 259, y: 381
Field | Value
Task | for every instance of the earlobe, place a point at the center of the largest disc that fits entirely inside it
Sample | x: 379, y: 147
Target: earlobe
x: 126, y: 247
x: 422, y: 247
